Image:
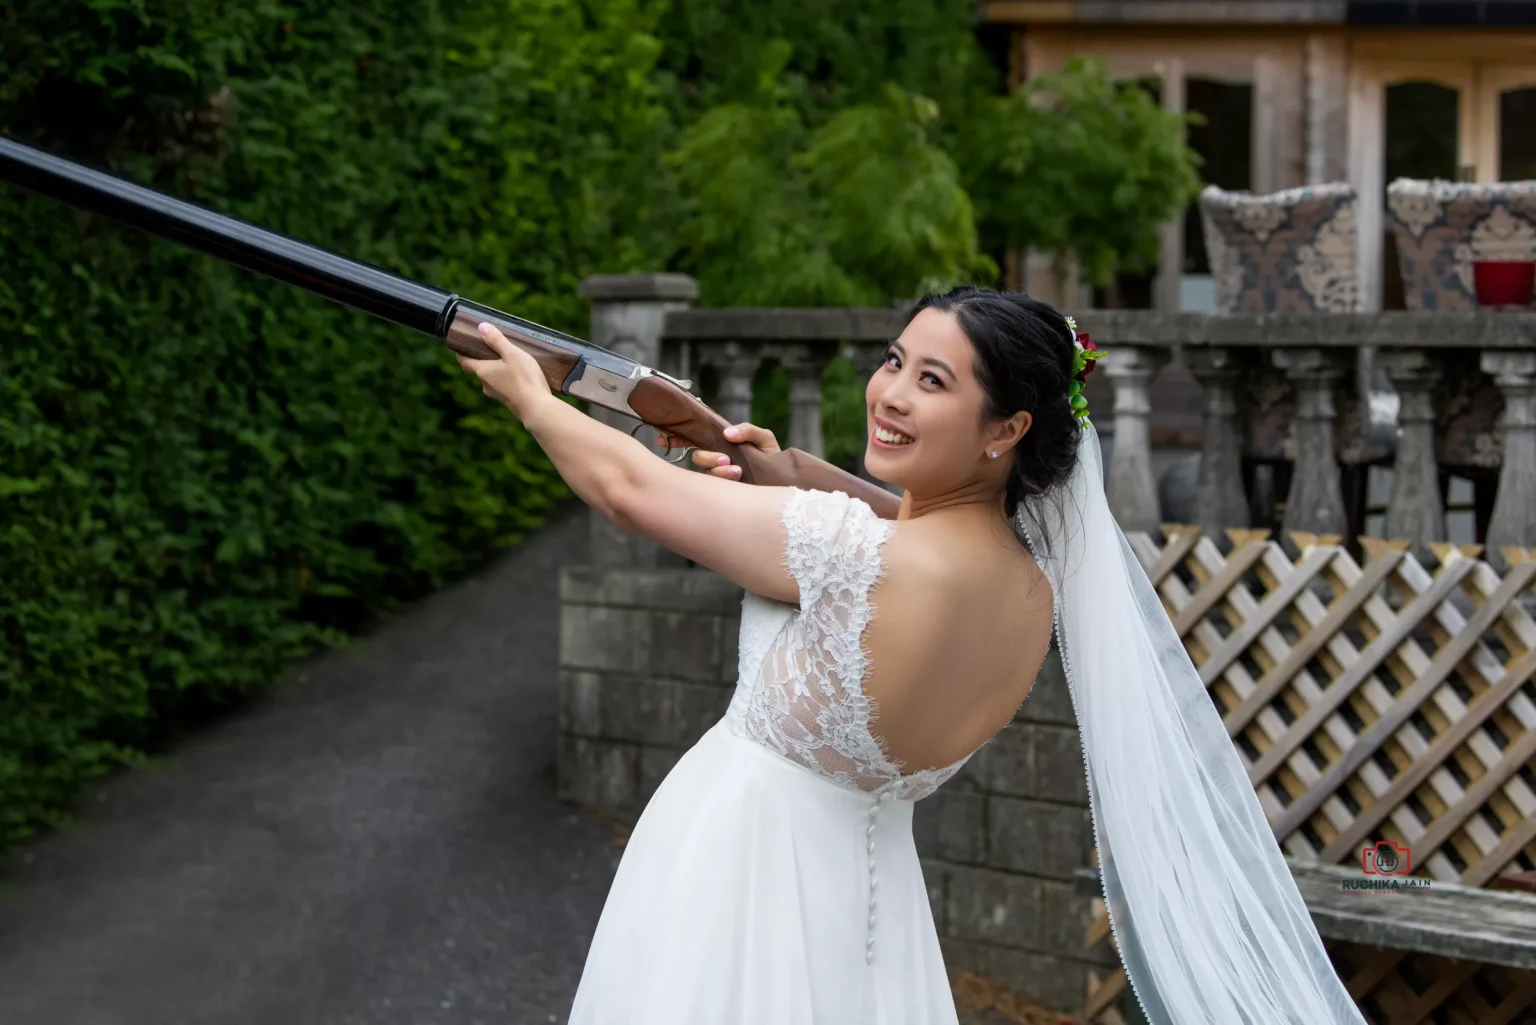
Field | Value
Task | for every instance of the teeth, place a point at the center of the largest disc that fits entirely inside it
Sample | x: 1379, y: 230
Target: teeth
x: 891, y: 437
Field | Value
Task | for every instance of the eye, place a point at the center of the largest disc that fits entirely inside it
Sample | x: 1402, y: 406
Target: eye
x: 891, y: 359
x: 938, y: 382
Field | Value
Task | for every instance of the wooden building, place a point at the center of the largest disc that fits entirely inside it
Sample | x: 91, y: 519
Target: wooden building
x: 1297, y: 92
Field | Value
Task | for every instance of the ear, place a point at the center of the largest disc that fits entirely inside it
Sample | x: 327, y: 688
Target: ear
x: 1010, y: 432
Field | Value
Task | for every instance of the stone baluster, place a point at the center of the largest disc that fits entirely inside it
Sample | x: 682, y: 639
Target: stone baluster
x: 628, y: 316
x: 1414, y: 512
x: 805, y: 365
x: 1315, y: 503
x: 737, y: 362
x: 1514, y: 510
x: 1219, y: 494
x: 1131, y: 487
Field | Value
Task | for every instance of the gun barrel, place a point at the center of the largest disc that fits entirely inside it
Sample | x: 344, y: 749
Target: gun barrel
x: 387, y: 296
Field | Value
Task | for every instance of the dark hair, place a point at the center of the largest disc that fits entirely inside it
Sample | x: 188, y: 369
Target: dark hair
x: 1024, y: 354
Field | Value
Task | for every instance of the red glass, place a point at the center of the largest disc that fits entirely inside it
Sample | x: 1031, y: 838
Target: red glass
x: 1504, y: 282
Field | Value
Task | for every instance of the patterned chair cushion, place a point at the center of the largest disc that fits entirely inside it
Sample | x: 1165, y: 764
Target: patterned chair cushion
x: 1440, y: 227
x: 1284, y: 252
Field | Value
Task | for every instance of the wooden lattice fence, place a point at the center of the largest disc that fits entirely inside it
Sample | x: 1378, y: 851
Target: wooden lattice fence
x: 1392, y: 701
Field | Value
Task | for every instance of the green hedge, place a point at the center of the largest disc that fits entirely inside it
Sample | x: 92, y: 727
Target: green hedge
x: 203, y: 474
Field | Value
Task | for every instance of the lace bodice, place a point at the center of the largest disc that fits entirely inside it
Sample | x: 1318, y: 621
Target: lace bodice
x: 801, y: 672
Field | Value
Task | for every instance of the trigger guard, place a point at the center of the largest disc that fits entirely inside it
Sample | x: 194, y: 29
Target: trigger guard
x: 682, y: 456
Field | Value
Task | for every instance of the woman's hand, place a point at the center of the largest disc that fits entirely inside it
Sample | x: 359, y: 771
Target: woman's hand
x: 515, y: 380
x: 718, y: 463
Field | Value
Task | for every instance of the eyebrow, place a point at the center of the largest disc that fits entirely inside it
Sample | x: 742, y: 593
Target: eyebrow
x: 928, y: 361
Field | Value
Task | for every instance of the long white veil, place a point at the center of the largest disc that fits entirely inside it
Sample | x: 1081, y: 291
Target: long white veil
x: 1207, y: 918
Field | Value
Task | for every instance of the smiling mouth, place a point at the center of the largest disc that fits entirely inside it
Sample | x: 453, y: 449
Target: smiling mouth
x: 892, y: 439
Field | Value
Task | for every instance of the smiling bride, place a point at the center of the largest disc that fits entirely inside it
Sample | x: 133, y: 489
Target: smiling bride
x: 773, y: 879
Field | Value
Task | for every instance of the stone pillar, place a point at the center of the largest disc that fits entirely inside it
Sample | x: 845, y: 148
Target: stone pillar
x: 1414, y: 512
x: 1167, y: 285
x: 1514, y: 511
x: 805, y: 365
x: 1315, y: 503
x: 737, y: 362
x: 1132, y: 489
x: 1219, y: 490
x: 1327, y: 72
x: 628, y: 315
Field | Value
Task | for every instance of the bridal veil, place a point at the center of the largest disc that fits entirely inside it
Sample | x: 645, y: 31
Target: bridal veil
x: 1207, y: 918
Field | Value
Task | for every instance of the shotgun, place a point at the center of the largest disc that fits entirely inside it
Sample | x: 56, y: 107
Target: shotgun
x: 572, y: 366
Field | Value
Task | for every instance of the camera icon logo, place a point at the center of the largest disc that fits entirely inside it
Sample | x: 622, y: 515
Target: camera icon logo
x: 1385, y: 858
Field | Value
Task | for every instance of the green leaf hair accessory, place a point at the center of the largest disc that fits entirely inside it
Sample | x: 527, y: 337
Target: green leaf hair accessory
x: 1084, y: 356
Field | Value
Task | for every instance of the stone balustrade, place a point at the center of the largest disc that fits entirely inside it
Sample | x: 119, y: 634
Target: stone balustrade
x: 1280, y: 390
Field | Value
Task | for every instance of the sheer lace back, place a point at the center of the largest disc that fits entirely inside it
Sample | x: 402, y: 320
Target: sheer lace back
x: 801, y: 691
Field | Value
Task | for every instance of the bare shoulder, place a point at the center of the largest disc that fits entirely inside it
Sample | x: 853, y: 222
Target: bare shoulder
x: 956, y: 616
x: 937, y: 565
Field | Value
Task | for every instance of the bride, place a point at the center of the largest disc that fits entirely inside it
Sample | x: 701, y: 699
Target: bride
x: 772, y: 879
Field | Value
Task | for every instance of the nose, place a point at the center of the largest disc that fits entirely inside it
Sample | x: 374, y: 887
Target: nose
x: 890, y: 392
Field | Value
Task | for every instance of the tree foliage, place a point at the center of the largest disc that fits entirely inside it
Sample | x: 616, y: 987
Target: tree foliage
x: 1079, y: 165
x: 865, y: 207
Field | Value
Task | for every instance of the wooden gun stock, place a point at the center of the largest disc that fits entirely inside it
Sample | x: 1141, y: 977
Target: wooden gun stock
x: 664, y: 405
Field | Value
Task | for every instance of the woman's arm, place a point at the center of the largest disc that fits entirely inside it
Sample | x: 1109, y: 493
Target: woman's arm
x: 734, y: 530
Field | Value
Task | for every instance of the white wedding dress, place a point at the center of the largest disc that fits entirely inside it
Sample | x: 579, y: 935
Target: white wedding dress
x: 773, y: 879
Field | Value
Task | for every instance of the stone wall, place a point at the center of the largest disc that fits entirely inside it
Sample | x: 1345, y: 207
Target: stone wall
x: 647, y: 664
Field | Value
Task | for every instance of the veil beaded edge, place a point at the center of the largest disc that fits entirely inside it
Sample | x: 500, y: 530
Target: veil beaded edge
x: 1207, y: 918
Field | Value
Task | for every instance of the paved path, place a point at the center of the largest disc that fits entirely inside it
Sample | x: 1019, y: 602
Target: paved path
x: 376, y: 843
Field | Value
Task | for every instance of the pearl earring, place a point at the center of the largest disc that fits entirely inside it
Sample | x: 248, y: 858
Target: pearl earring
x: 994, y: 453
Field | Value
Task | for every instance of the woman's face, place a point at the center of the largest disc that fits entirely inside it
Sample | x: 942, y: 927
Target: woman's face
x: 924, y: 408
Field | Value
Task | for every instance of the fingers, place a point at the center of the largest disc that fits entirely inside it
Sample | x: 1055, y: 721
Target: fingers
x: 751, y: 434
x: 716, y: 463
x: 495, y: 339
x: 474, y: 366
